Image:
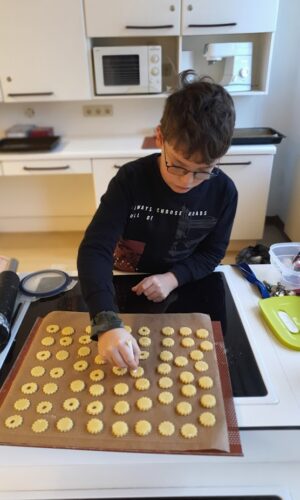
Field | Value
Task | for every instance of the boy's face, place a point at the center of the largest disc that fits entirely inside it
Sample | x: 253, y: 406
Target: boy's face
x: 182, y: 174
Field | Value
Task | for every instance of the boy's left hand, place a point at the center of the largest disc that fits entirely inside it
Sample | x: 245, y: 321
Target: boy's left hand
x: 156, y: 287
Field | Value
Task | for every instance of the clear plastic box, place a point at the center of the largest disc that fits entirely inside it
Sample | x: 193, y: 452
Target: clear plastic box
x: 281, y: 256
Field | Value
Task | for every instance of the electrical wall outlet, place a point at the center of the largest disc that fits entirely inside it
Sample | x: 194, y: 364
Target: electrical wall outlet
x: 97, y: 110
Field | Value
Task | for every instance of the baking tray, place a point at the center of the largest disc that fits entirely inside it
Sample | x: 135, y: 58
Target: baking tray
x: 28, y: 144
x: 256, y: 135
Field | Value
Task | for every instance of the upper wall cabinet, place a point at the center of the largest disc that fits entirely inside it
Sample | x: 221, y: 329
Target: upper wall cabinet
x: 43, y: 51
x: 229, y: 16
x: 127, y: 18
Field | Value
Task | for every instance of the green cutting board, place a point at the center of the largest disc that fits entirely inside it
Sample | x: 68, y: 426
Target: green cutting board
x: 283, y: 316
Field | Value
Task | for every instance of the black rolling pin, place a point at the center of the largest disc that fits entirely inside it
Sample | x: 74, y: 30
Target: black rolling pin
x: 9, y: 286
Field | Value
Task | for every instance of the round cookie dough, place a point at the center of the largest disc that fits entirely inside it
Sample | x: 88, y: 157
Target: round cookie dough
x: 196, y: 355
x: 52, y: 328
x: 165, y: 397
x: 88, y: 329
x: 207, y: 419
x: 64, y: 424
x: 165, y: 382
x: 83, y: 351
x: 66, y: 341
x: 71, y: 404
x: 185, y: 331
x: 67, y: 330
x: 168, y: 342
x: 166, y: 356
x: 184, y: 408
x: 119, y: 428
x: 40, y: 425
x: 96, y: 389
x: 201, y: 366
x: 47, y: 341
x: 43, y: 355
x: 167, y: 330
x: 99, y: 360
x: 206, y: 345
x: 144, y: 403
x: 29, y: 388
x: 143, y: 427
x: 84, y: 339
x: 202, y: 333
x: 166, y: 428
x: 94, y: 426
x: 205, y: 382
x: 97, y: 375
x: 138, y: 372
x: 94, y: 407
x: 187, y: 342
x: 180, y: 361
x: 44, y: 407
x: 144, y: 355
x: 121, y: 389
x: 62, y: 355
x: 80, y: 366
x: 50, y: 388
x: 13, y: 421
x: 144, y: 341
x: 144, y: 331
x: 21, y: 404
x: 164, y: 369
x: 37, y: 371
x: 188, y: 390
x: 142, y: 384
x: 121, y: 407
x: 186, y: 377
x: 56, y: 372
x: 128, y: 328
x: 208, y: 400
x: 189, y: 431
x: 77, y: 385
x: 119, y: 371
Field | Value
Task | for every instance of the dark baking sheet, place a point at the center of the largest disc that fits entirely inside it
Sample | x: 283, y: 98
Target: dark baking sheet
x: 256, y: 135
x: 29, y: 144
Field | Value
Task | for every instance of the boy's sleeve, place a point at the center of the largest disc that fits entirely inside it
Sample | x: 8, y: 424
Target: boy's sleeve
x: 212, y: 249
x: 95, y: 254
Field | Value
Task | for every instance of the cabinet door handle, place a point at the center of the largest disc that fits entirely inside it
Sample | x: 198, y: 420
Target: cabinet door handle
x: 162, y: 26
x: 32, y: 169
x: 219, y: 25
x: 30, y: 94
x: 117, y: 166
x: 236, y: 163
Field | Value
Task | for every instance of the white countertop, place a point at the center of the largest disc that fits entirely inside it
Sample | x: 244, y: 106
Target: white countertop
x: 120, y: 146
x: 271, y: 460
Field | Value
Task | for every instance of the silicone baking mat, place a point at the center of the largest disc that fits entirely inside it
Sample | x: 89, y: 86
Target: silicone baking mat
x: 221, y: 438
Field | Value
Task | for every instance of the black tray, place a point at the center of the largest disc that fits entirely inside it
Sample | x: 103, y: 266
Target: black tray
x: 256, y: 135
x: 28, y: 144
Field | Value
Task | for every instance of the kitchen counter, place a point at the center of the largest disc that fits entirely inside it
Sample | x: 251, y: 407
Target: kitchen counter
x: 270, y: 435
x: 107, y: 147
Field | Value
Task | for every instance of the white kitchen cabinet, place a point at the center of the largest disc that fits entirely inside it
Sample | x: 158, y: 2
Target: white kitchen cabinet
x: 126, y: 18
x: 228, y: 16
x: 47, y: 167
x: 43, y: 51
x: 251, y: 175
x: 103, y: 171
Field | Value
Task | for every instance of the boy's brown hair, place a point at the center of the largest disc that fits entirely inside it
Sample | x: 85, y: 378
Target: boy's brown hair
x: 199, y: 118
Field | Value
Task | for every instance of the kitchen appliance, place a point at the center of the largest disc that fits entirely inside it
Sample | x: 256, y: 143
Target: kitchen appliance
x: 238, y: 63
x: 128, y: 70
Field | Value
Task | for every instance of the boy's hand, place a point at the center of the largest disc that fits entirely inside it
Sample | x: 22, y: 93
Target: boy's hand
x: 119, y: 348
x: 156, y: 287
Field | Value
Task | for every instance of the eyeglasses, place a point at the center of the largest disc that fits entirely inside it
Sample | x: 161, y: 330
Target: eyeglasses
x: 181, y: 171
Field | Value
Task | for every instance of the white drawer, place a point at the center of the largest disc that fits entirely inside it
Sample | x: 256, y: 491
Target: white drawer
x: 47, y: 167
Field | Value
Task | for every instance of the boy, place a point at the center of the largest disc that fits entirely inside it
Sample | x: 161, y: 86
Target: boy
x: 169, y: 215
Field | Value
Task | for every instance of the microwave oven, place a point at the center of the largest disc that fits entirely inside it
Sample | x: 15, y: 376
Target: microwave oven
x: 128, y: 70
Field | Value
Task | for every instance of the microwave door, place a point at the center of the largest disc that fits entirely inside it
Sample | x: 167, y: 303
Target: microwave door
x: 123, y: 73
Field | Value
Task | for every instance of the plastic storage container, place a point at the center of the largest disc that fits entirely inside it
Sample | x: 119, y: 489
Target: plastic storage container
x: 282, y: 256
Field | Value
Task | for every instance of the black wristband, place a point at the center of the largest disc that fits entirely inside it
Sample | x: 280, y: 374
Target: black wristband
x: 104, y: 321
